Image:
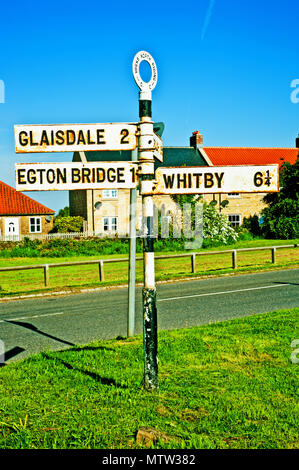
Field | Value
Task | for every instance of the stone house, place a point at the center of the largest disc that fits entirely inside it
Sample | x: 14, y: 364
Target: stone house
x: 20, y: 215
x: 107, y: 211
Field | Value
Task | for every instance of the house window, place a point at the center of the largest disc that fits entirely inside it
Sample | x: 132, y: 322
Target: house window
x: 233, y: 194
x: 109, y: 224
x: 110, y: 193
x: 35, y: 224
x: 234, y: 220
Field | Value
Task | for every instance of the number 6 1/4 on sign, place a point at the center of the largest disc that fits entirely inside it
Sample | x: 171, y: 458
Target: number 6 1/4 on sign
x: 75, y: 137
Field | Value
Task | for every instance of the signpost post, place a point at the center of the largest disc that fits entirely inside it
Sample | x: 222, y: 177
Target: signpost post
x: 146, y: 172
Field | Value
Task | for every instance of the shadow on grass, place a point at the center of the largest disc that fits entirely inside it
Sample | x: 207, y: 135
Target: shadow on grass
x: 93, y: 375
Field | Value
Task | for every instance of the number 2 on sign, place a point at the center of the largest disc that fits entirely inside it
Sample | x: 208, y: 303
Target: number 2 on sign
x: 124, y: 133
x: 260, y: 179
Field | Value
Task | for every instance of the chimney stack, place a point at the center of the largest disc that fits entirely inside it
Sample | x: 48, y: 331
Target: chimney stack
x: 196, y: 140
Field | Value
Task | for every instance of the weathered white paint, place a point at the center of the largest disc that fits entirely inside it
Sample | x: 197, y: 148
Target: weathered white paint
x: 209, y: 180
x: 149, y: 272
x: 75, y: 175
x: 75, y: 137
x: 158, y: 147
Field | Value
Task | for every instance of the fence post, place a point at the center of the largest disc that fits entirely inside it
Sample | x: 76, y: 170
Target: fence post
x: 193, y: 262
x: 273, y: 254
x: 234, y: 259
x: 101, y: 271
x: 46, y: 274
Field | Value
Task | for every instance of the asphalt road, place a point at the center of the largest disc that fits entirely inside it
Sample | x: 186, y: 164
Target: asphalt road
x: 52, y: 323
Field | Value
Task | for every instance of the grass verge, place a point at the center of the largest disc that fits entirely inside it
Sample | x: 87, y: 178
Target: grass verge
x: 223, y: 385
x: 77, y: 277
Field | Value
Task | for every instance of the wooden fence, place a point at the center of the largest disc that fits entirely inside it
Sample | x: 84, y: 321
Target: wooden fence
x: 192, y: 256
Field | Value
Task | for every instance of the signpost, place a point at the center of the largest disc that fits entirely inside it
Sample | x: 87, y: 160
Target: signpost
x: 146, y: 145
x: 223, y: 179
x: 72, y: 175
x: 75, y: 137
x: 146, y: 161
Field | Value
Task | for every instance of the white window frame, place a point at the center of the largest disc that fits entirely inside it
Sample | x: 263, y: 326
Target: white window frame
x: 37, y: 222
x: 110, y: 194
x: 234, y: 223
x: 110, y: 223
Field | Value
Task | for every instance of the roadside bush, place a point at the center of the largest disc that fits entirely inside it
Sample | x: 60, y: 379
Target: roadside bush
x: 252, y: 224
x: 68, y: 224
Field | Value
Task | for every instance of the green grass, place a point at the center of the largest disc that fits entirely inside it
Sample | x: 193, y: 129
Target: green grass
x: 223, y: 385
x: 32, y: 281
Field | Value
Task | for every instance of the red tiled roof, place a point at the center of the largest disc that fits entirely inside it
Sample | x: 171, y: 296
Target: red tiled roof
x: 14, y: 202
x: 250, y: 156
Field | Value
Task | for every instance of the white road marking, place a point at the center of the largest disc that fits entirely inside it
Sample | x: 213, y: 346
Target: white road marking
x: 32, y: 316
x: 223, y: 292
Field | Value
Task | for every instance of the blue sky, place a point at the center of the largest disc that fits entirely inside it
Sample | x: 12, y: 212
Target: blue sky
x: 225, y: 67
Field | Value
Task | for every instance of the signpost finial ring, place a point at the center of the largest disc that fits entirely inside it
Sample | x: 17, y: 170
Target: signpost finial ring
x: 145, y: 86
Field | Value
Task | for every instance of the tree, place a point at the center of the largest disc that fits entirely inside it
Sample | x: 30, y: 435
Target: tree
x: 65, y: 212
x: 68, y: 224
x: 281, y: 217
x: 215, y: 226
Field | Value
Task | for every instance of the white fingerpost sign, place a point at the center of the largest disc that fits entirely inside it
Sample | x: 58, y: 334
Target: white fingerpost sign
x: 210, y: 180
x: 75, y: 137
x: 72, y: 175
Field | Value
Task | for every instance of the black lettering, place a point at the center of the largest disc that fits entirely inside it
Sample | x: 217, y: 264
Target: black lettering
x: 209, y: 183
x: 21, y: 175
x: 168, y: 180
x: 101, y: 178
x: 75, y: 175
x: 182, y: 179
x: 50, y: 176
x: 70, y: 137
x: 85, y: 175
x: 258, y: 179
x: 31, y: 176
x: 124, y: 133
x: 120, y: 175
x: 132, y: 170
x: 44, y: 138
x: 81, y: 138
x: 100, y: 135
x: 111, y: 177
x: 23, y: 141
x: 59, y: 138
x: 89, y: 141
x: 61, y: 175
x: 189, y: 180
x: 41, y: 171
x: 197, y: 176
x: 219, y: 179
x: 31, y: 139
x: 52, y: 138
